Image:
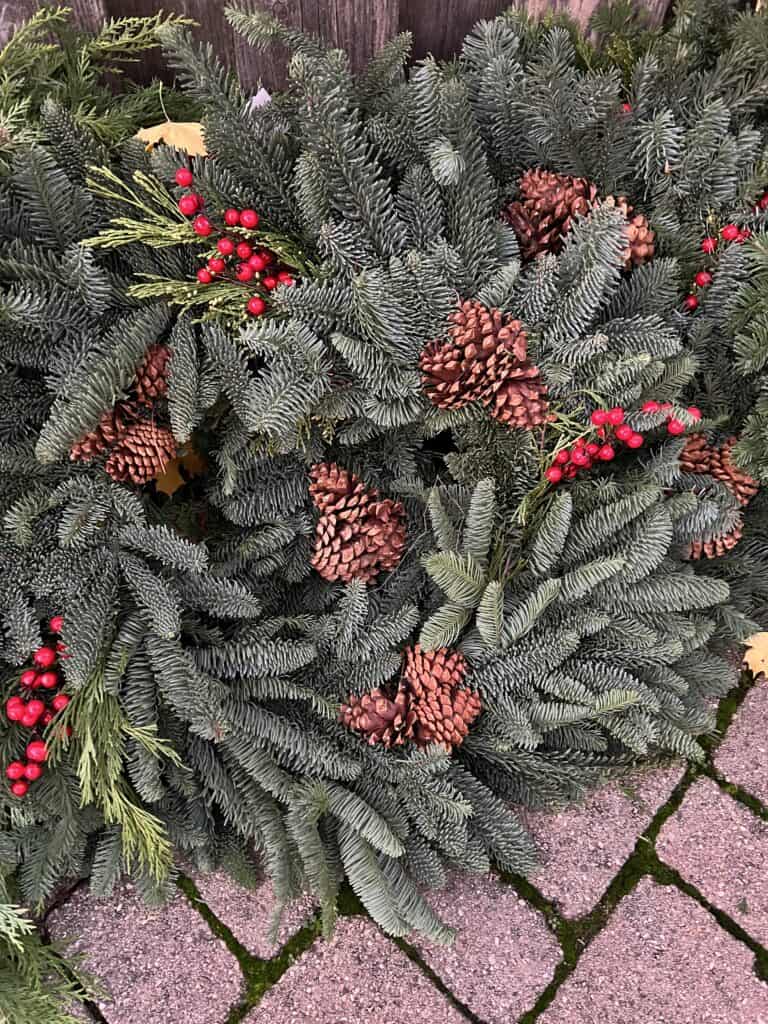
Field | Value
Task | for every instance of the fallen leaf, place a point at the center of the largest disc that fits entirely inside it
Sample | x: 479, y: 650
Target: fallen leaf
x: 184, y: 135
x: 171, y: 479
x: 756, y: 655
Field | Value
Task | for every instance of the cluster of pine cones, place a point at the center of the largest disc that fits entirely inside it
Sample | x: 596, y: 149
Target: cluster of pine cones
x: 547, y: 204
x: 485, y: 359
x: 700, y: 457
x: 431, y: 704
x: 139, y: 449
x: 358, y: 534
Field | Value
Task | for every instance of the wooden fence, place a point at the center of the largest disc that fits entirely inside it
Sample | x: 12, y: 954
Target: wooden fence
x: 360, y: 26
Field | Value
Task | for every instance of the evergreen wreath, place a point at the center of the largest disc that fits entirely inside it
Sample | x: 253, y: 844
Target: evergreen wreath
x: 480, y: 520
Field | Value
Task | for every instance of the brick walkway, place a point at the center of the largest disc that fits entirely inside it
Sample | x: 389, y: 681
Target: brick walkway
x: 650, y: 908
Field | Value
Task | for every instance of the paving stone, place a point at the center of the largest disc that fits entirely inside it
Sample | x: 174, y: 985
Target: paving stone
x: 743, y: 755
x: 582, y: 847
x: 503, y: 954
x: 661, y: 959
x: 721, y: 847
x: 248, y: 912
x: 157, y: 964
x: 358, y: 976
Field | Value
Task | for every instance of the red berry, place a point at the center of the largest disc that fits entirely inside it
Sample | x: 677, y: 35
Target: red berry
x: 225, y: 246
x: 599, y: 417
x: 651, y: 406
x: 216, y: 264
x: 606, y: 453
x: 691, y: 302
x: 763, y: 201
x: 204, y: 276
x: 249, y: 219
x: 47, y: 718
x: 627, y: 108
x: 245, y: 272
x: 256, y: 305
x: 37, y: 751
x: 563, y: 456
x: 730, y: 233
x: 60, y: 701
x: 675, y: 427
x: 554, y: 474
x: 269, y: 283
x: 19, y: 789
x: 15, y: 770
x: 743, y: 235
x: 202, y: 226
x: 28, y: 721
x: 189, y: 205
x: 664, y: 406
x: 257, y: 262
x: 244, y: 251
x: 14, y: 709
x: 44, y: 657
x: 49, y: 680
x: 703, y: 279
x: 635, y: 440
x: 33, y: 771
x: 624, y: 432
x: 36, y: 708
x: 580, y: 458
x: 570, y: 471
x: 184, y: 177
x: 232, y: 217
x: 28, y: 678
x: 592, y: 449
x: 56, y: 624
x: 694, y: 411
x: 285, y: 278
x: 616, y: 415
x: 709, y: 245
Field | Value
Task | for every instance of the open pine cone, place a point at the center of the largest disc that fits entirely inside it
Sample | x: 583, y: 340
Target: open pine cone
x: 547, y: 205
x: 112, y: 427
x: 696, y: 456
x: 485, y: 358
x: 152, y: 375
x: 444, y: 709
x: 739, y: 483
x: 380, y: 719
x: 141, y: 454
x: 358, y: 535
x: 715, y: 547
x: 641, y: 241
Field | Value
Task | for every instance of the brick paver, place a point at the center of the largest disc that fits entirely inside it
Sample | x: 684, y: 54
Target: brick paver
x: 503, y: 955
x: 743, y: 756
x: 248, y: 913
x: 722, y: 848
x: 156, y: 964
x: 359, y: 976
x: 661, y: 959
x: 584, y: 846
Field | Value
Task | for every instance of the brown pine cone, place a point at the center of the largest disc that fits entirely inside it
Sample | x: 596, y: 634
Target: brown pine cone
x: 485, y: 358
x: 739, y: 483
x: 716, y: 547
x: 444, y: 709
x: 152, y: 375
x: 544, y: 212
x: 379, y: 718
x: 640, y: 239
x: 696, y: 456
x: 358, y: 535
x: 141, y: 454
x: 113, y: 425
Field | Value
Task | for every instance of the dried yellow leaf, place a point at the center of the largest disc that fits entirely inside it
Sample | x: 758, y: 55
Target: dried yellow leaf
x: 171, y: 479
x: 756, y: 655
x: 184, y: 135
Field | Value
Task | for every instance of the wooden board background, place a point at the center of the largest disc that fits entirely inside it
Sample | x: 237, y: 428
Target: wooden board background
x: 360, y: 26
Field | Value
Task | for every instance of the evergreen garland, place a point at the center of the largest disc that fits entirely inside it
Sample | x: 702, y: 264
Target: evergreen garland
x: 453, y: 546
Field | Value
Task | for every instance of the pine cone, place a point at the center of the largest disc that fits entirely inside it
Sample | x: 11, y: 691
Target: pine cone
x: 379, y: 718
x: 152, y: 376
x: 696, y: 456
x: 112, y: 427
x: 716, y: 547
x: 485, y: 358
x: 141, y: 454
x: 739, y: 483
x: 357, y: 536
x: 640, y: 239
x: 444, y: 710
x: 544, y: 212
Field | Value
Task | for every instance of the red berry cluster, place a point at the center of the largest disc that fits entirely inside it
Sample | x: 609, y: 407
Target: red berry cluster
x: 674, y: 425
x: 252, y: 265
x: 729, y: 233
x: 33, y: 713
